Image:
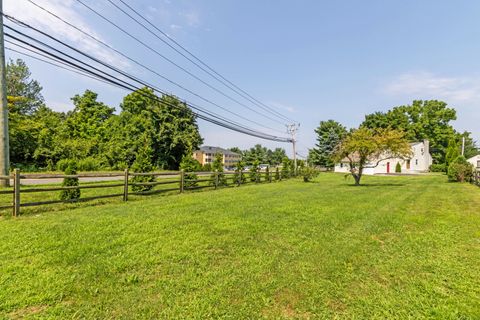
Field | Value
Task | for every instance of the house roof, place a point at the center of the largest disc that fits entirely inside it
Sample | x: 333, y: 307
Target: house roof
x: 474, y: 157
x: 215, y: 150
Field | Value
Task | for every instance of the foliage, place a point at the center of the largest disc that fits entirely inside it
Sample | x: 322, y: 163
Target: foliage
x: 190, y: 166
x: 24, y: 92
x: 329, y: 134
x: 438, y: 167
x: 365, y: 148
x: 277, y: 174
x: 460, y: 170
x: 421, y: 120
x: 255, y: 171
x: 262, y: 154
x: 143, y: 164
x: 70, y: 194
x: 286, y: 164
x: 309, y: 173
x: 398, y: 168
x: 239, y: 177
x: 217, y: 167
x: 452, y: 152
x: 89, y: 164
x: 207, y: 167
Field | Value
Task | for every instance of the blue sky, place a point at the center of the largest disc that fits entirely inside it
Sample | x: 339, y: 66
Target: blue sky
x: 311, y: 60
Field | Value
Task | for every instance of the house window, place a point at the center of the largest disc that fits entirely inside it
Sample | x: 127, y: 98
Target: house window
x: 341, y: 165
x: 408, y: 164
x: 416, y: 162
x: 478, y: 163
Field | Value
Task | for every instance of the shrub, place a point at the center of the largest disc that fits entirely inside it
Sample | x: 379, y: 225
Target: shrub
x: 70, y: 194
x: 309, y: 173
x: 207, y: 167
x: 62, y: 164
x: 255, y: 172
x: 143, y: 164
x: 88, y: 164
x: 239, y: 177
x: 460, y: 170
x: 277, y: 174
x: 217, y: 166
x: 190, y: 166
x: 438, y: 167
x: 285, y: 168
x: 398, y: 168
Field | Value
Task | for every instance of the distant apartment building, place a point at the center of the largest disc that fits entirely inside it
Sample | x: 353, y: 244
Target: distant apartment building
x: 206, y: 154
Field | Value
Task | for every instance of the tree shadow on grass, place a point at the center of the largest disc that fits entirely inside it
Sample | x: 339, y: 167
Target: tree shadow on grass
x: 378, y: 185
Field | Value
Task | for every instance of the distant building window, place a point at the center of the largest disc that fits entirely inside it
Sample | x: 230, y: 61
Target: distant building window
x: 478, y: 164
x: 416, y: 162
x: 341, y: 165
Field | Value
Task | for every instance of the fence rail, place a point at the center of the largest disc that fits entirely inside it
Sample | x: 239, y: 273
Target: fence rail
x: 184, y: 180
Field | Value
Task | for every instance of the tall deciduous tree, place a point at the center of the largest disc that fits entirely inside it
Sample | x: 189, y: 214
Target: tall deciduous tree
x: 421, y: 120
x: 366, y: 148
x: 329, y: 134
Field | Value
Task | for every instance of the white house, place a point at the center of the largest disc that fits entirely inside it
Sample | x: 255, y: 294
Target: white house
x: 420, y: 161
x: 475, y: 161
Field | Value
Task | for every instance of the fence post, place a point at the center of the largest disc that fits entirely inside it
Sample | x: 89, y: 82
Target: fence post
x: 16, y: 192
x: 216, y: 179
x: 125, y: 186
x: 182, y: 180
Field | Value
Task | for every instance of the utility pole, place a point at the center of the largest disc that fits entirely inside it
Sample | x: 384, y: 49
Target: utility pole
x: 4, y: 141
x: 463, y: 146
x: 292, y: 130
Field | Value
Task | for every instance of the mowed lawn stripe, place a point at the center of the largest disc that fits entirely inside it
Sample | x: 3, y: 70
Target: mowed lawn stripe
x: 397, y: 247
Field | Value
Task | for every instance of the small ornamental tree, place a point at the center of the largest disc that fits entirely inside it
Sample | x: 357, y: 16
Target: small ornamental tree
x: 268, y: 176
x: 143, y: 164
x: 70, y: 194
x: 366, y: 148
x: 239, y: 177
x: 308, y: 173
x: 277, y: 174
x: 190, y: 166
x: 217, y: 166
x: 255, y: 171
x: 460, y: 170
x: 398, y: 168
x: 285, y: 168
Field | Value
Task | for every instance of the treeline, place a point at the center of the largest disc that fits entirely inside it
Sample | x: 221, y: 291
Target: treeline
x: 261, y: 154
x: 149, y: 131
x: 421, y: 120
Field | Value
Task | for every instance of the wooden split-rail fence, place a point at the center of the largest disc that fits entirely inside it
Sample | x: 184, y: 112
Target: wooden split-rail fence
x: 179, y: 180
x: 476, y: 177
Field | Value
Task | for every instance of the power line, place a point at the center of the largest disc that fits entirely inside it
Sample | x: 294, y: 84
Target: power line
x: 123, y: 84
x: 175, y: 64
x: 23, y: 24
x: 209, y: 70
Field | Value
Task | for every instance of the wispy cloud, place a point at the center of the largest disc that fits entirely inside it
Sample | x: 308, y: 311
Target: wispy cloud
x: 428, y: 85
x: 192, y: 18
x: 281, y: 107
x: 66, y: 9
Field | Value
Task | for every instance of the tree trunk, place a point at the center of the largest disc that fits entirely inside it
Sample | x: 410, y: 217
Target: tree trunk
x: 357, y: 178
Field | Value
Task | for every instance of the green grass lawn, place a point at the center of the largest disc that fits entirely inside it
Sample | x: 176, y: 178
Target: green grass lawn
x: 396, y: 248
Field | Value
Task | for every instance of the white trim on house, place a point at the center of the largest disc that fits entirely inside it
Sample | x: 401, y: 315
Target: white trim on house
x: 475, y: 160
x: 420, y: 161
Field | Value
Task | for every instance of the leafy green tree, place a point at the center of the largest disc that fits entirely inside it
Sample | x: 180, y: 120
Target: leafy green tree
x: 421, y: 120
x: 398, y: 168
x: 239, y: 176
x: 24, y: 92
x: 277, y: 174
x: 471, y: 148
x: 460, y: 170
x: 286, y: 164
x: 329, y: 134
x: 143, y: 164
x: 452, y: 152
x: 236, y: 150
x: 70, y: 194
x: 257, y: 153
x: 366, y: 148
x: 276, y: 156
x: 255, y: 171
x: 217, y: 166
x: 190, y: 166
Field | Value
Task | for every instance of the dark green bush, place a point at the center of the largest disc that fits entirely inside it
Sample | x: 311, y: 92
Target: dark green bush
x: 239, y: 177
x: 70, y: 194
x: 88, y: 164
x: 217, y: 166
x: 143, y: 164
x: 460, y: 170
x: 255, y: 171
x: 190, y: 166
x: 285, y: 168
x: 438, y: 167
x: 277, y: 174
x: 398, y: 168
x: 62, y: 164
x: 309, y: 173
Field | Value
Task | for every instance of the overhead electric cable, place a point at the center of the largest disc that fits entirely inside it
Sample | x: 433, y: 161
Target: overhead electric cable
x: 23, y: 24
x: 174, y: 63
x: 130, y: 87
x: 209, y: 70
